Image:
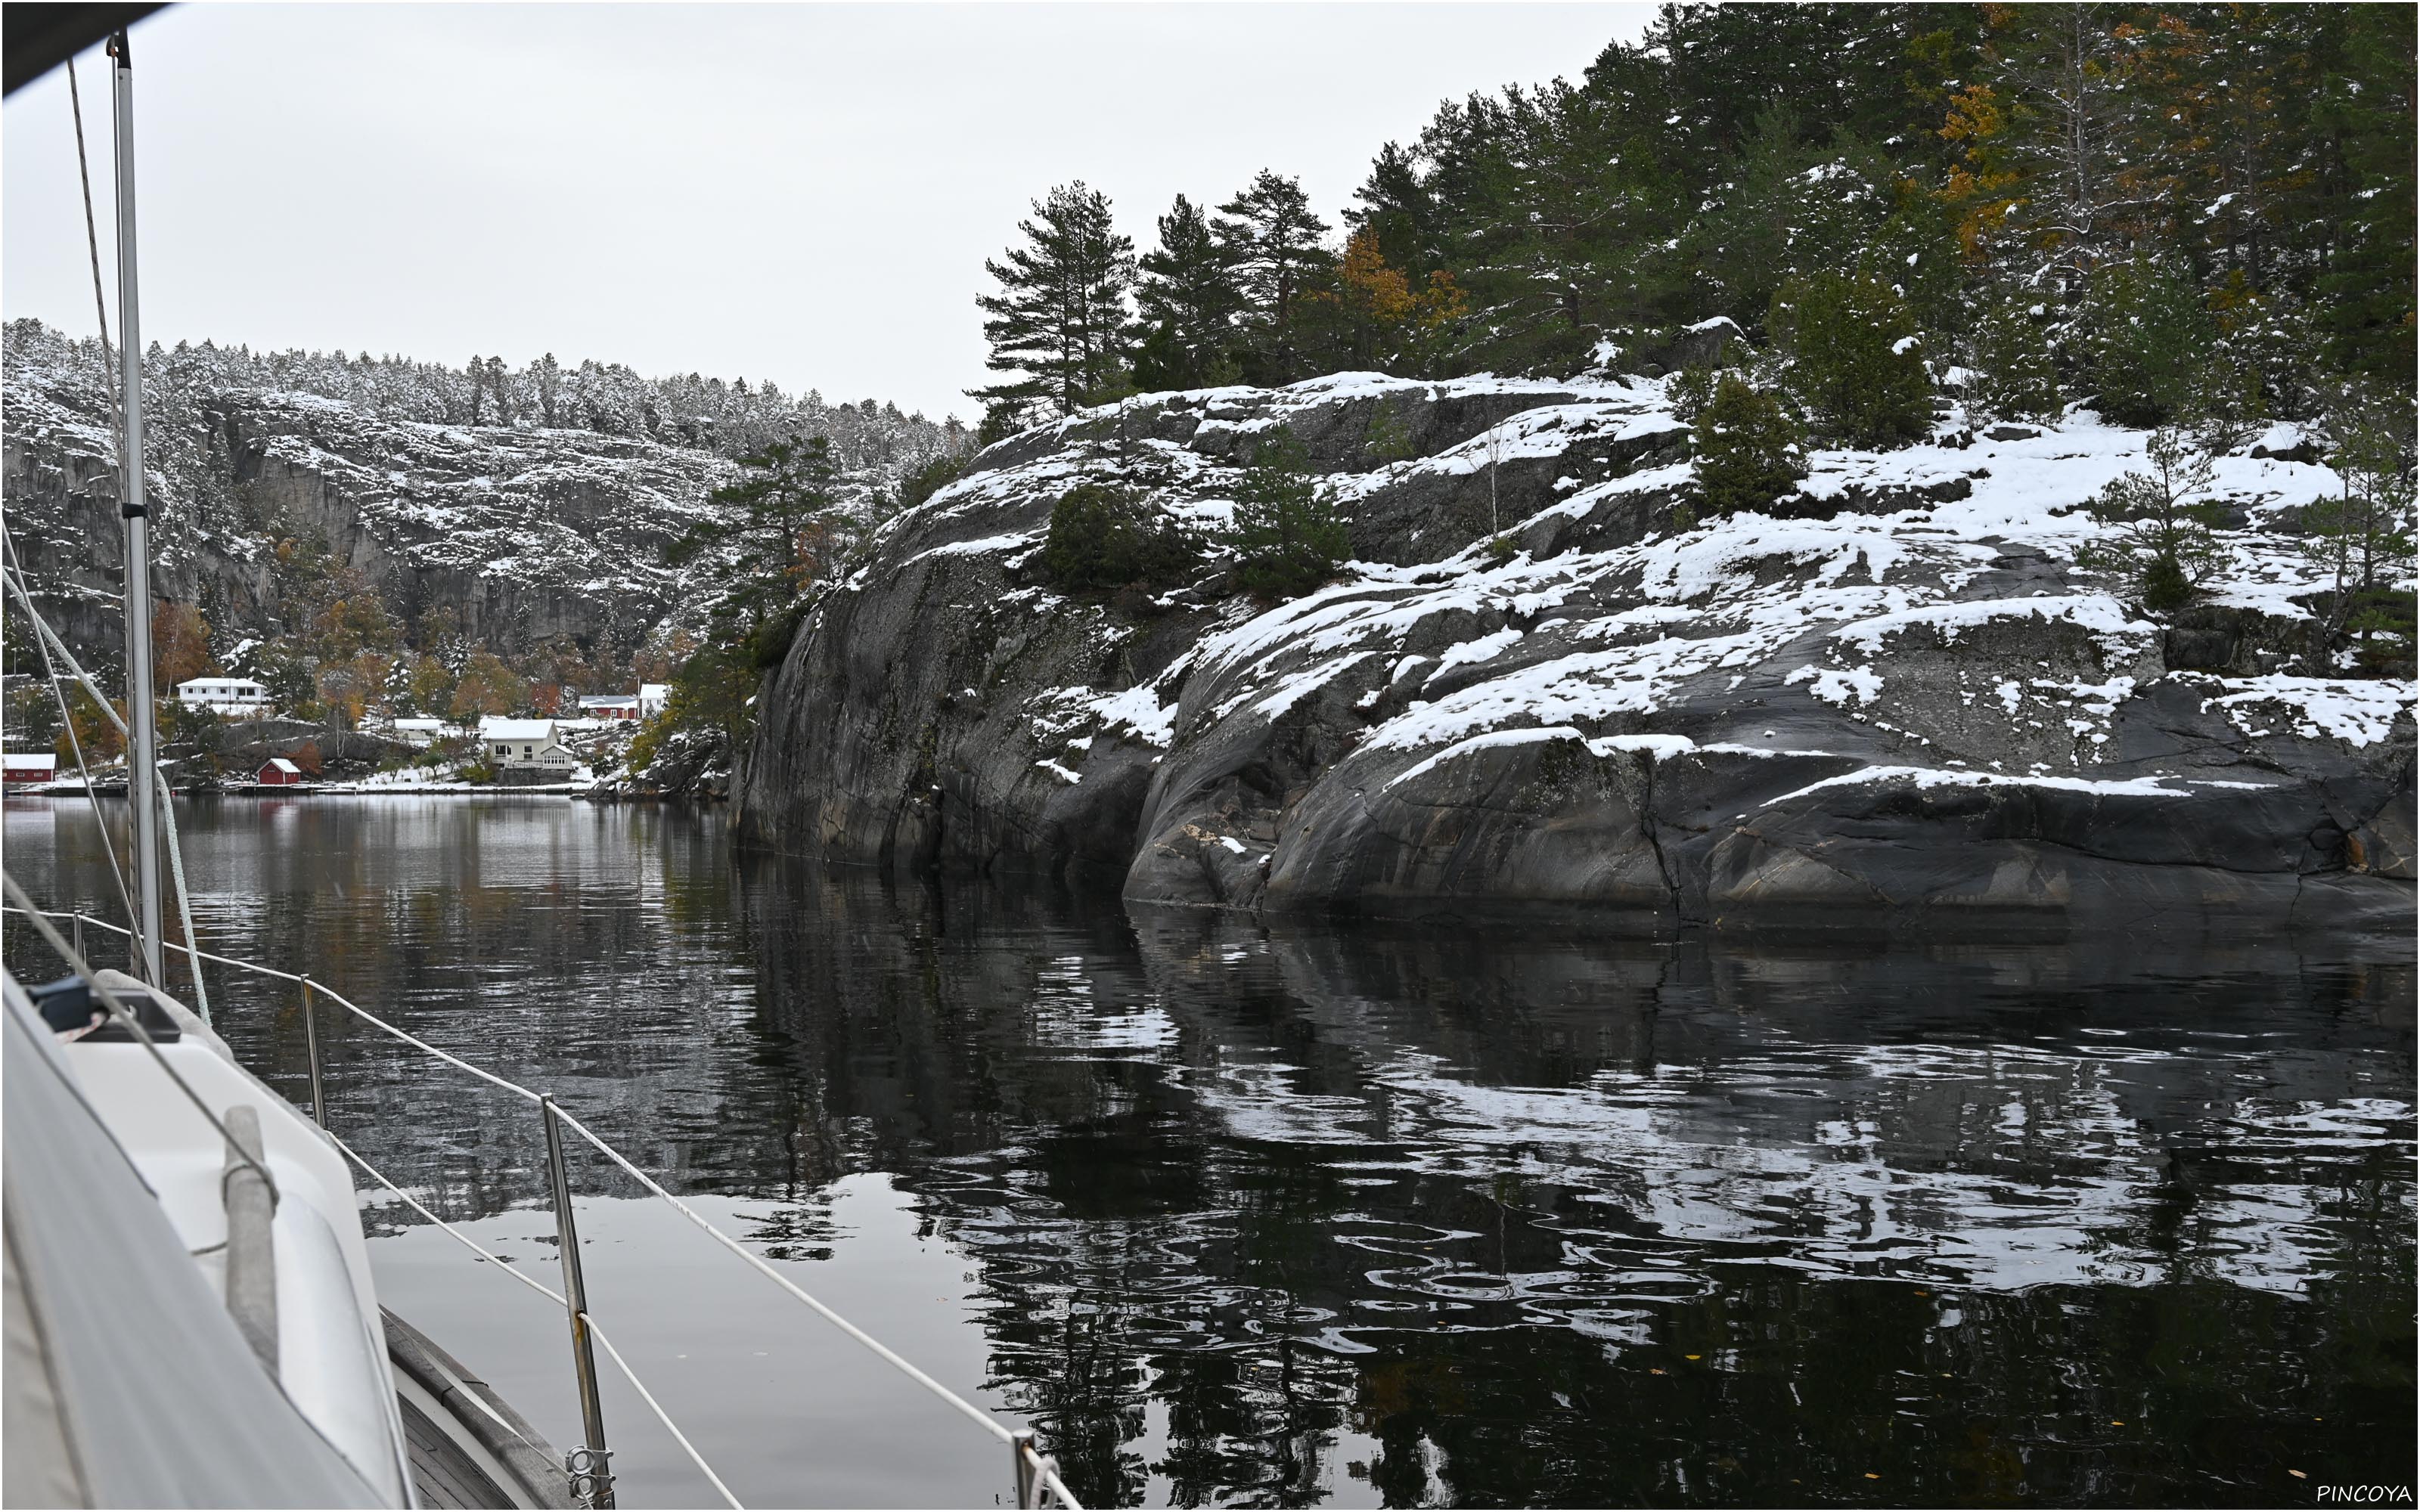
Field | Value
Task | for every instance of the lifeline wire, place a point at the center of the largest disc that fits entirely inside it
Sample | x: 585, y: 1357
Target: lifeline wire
x: 982, y: 1419
x: 661, y: 1416
x: 116, y: 1005
x: 1049, y: 1476
x: 466, y: 1240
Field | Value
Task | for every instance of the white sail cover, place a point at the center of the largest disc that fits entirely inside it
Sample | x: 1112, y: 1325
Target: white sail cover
x: 127, y: 1383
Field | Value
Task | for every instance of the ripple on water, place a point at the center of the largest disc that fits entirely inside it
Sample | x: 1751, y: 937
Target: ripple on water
x: 1247, y: 1216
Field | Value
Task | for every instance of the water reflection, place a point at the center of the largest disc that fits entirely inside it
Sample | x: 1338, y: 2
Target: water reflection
x: 1346, y: 1218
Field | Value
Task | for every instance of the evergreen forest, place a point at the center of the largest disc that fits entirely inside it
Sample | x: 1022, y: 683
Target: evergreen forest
x: 2163, y: 209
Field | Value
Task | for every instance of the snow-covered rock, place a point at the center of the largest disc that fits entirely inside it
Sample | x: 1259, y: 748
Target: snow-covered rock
x: 1542, y: 687
x: 527, y: 532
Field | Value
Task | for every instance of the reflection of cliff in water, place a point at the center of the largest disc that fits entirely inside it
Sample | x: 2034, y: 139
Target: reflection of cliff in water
x: 1488, y: 1220
x: 1483, y: 1201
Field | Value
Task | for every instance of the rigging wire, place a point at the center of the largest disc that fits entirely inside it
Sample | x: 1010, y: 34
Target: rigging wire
x: 184, y: 899
x: 100, y: 303
x: 67, y: 720
x: 24, y: 601
x: 91, y: 233
x: 116, y: 1006
x: 167, y: 811
x: 47, y: 637
x: 117, y: 428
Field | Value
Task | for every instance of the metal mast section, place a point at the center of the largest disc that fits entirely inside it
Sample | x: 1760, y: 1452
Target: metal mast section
x: 143, y: 733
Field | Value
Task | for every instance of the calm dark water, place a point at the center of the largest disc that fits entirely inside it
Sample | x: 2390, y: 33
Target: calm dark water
x: 1346, y: 1218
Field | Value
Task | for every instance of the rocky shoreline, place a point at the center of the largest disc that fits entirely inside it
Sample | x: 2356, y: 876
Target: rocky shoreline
x: 1542, y: 688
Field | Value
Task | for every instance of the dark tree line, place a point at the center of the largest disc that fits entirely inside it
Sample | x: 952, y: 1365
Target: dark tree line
x: 2025, y: 180
x: 732, y: 418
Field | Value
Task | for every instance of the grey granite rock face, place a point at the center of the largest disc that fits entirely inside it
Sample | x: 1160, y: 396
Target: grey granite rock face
x: 1543, y: 690
x: 525, y: 536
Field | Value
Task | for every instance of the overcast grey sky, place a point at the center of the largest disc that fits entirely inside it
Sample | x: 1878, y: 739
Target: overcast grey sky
x: 799, y: 193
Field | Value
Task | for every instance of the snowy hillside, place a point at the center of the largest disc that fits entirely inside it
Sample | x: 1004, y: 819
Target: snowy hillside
x: 1541, y: 682
x: 447, y: 496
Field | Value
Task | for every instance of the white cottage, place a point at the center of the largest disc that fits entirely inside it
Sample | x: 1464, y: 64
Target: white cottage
x: 525, y: 742
x: 223, y: 695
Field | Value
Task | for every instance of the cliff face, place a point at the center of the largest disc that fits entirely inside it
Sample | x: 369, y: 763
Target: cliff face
x: 1895, y: 696
x: 525, y: 534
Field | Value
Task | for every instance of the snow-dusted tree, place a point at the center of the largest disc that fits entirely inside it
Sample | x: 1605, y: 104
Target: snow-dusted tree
x: 2009, y: 350
x: 1274, y: 244
x: 2148, y: 343
x: 1188, y: 301
x: 2363, y: 539
x: 1855, y: 358
x: 1747, y: 446
x: 2057, y: 136
x: 549, y: 377
x: 1287, y: 535
x: 2160, y: 541
x: 781, y: 529
x: 1061, y: 317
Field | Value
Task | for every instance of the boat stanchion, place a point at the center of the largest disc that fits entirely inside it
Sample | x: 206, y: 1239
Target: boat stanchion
x: 1031, y: 1488
x: 311, y: 1046
x: 75, y: 934
x: 251, y: 1206
x: 589, y: 1467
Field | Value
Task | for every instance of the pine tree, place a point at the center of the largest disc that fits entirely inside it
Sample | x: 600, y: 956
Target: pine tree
x: 2149, y: 342
x: 1061, y: 315
x: 2073, y: 138
x: 1189, y: 302
x: 780, y: 530
x: 1273, y: 242
x: 2009, y: 350
x: 549, y: 375
x: 1786, y: 208
x: 1287, y: 534
x: 1747, y: 448
x: 2159, y: 542
x: 1396, y: 208
x: 1855, y: 358
x: 2366, y: 110
x: 2363, y: 539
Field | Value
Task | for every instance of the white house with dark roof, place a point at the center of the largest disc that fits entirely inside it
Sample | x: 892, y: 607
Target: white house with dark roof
x: 525, y: 742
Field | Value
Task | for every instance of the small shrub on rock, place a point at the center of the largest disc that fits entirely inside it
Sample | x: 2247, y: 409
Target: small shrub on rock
x: 1692, y: 389
x: 923, y: 482
x: 2148, y: 343
x: 1287, y: 532
x: 2018, y: 375
x: 1856, y: 359
x: 1389, y: 439
x: 2362, y: 541
x: 1747, y: 446
x: 2162, y: 546
x: 1104, y: 538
